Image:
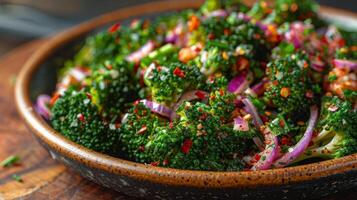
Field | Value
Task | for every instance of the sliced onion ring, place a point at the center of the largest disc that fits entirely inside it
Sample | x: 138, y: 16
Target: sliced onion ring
x: 345, y: 64
x: 253, y: 111
x: 157, y: 108
x: 304, y: 142
x: 41, y: 106
x: 257, y: 121
x: 142, y: 52
x: 259, y: 88
x: 270, y: 152
x: 238, y: 84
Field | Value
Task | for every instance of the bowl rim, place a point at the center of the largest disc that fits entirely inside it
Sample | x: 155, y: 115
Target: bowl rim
x: 159, y: 175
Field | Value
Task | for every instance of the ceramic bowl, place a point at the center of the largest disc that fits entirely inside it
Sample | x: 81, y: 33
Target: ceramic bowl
x: 139, y: 180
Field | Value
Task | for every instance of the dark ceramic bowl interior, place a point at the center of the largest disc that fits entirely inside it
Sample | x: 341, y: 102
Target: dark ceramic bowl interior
x: 312, y: 180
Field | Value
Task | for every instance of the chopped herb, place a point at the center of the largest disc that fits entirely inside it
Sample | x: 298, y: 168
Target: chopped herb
x: 10, y: 161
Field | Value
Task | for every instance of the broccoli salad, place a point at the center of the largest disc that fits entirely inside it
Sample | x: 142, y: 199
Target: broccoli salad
x: 225, y: 87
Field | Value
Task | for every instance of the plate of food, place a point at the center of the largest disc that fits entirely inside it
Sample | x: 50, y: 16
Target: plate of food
x: 191, y: 99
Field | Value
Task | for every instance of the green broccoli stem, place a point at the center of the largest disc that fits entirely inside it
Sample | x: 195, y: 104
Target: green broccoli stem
x: 325, y: 152
x: 322, y: 136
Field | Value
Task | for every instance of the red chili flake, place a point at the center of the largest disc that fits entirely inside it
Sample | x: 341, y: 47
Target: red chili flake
x: 193, y: 23
x: 178, y: 72
x: 89, y: 96
x: 136, y: 102
x: 141, y: 148
x: 81, y: 118
x: 282, y: 123
x: 114, y: 28
x: 117, y: 125
x: 221, y: 92
x: 257, y: 157
x: 110, y: 67
x: 211, y: 36
x: 213, y: 97
x: 142, y: 130
x: 165, y: 162
x: 186, y: 146
x: 227, y: 31
x: 136, y: 110
x: 285, y: 140
x: 171, y: 125
x: 341, y: 42
x: 155, y: 164
x: 200, y: 94
x: 54, y: 99
x: 242, y: 63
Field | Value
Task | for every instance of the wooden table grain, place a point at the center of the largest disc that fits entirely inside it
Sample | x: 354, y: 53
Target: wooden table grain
x: 44, y: 178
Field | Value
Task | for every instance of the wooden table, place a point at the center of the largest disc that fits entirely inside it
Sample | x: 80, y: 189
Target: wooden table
x: 44, y: 178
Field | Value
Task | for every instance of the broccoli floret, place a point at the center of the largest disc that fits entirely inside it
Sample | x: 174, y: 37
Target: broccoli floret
x: 201, y: 139
x: 77, y: 118
x: 293, y: 10
x: 337, y: 127
x: 233, y: 5
x: 168, y: 83
x: 113, y: 85
x: 232, y: 45
x: 259, y: 10
x: 138, y: 127
x: 210, y: 143
x: 117, y: 41
x: 291, y: 88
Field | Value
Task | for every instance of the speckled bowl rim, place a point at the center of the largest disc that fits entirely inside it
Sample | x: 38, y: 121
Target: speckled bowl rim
x: 167, y: 176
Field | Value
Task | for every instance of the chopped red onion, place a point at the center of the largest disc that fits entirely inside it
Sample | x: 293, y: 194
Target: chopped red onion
x: 253, y: 111
x: 257, y: 121
x: 157, y: 108
x: 217, y: 13
x: 259, y: 88
x: 318, y: 65
x: 240, y: 124
x: 142, y: 52
x: 41, y: 106
x: 270, y: 152
x: 238, y: 84
x: 345, y: 64
x: 304, y: 142
x: 244, y: 17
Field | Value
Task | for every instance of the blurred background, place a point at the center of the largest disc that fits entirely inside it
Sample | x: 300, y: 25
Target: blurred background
x: 25, y: 20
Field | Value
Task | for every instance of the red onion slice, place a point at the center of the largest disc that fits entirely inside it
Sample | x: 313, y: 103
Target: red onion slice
x: 259, y: 88
x: 318, y: 65
x: 238, y: 84
x: 240, y: 124
x: 304, y: 142
x: 253, y: 111
x: 345, y: 64
x: 270, y: 152
x: 142, y: 52
x: 41, y: 106
x: 217, y: 13
x: 157, y: 108
x: 257, y: 121
x: 189, y: 96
